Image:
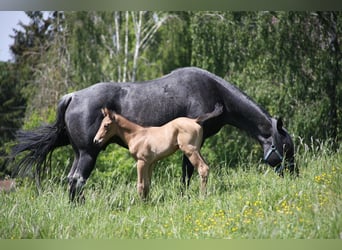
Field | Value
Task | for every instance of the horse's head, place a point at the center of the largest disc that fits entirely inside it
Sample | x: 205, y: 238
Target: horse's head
x: 107, y: 128
x: 279, y: 151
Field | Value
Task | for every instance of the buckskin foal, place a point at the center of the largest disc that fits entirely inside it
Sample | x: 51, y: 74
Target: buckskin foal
x: 149, y: 144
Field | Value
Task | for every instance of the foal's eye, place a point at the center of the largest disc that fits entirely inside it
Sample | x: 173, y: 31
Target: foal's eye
x: 106, y: 126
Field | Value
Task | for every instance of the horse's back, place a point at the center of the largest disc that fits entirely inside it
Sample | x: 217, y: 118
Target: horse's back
x: 185, y: 92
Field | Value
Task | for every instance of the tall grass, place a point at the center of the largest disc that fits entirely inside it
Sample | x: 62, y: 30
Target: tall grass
x: 248, y: 201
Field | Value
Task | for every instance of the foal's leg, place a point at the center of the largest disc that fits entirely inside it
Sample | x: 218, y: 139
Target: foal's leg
x: 198, y: 162
x: 187, y: 170
x: 143, y: 183
x: 150, y: 168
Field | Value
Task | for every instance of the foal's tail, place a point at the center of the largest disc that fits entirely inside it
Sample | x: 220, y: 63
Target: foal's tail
x: 217, y: 111
x: 41, y: 142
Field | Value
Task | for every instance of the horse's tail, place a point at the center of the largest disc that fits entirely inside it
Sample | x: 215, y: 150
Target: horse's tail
x: 41, y: 142
x: 217, y: 111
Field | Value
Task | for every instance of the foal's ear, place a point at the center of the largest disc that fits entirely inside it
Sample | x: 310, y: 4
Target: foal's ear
x: 104, y: 112
x: 108, y: 112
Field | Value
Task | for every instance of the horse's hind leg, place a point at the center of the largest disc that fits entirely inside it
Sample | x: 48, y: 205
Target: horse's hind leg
x: 81, y: 171
x: 72, y: 190
x: 74, y: 165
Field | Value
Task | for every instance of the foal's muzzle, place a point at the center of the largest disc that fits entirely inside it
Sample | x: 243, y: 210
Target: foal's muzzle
x: 97, y: 141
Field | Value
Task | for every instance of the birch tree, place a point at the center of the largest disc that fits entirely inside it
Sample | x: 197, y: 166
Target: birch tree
x: 129, y: 35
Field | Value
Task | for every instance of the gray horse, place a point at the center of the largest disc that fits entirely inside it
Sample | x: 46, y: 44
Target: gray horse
x: 186, y: 92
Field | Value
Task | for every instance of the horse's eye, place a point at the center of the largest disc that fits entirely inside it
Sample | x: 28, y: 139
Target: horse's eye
x: 106, y: 126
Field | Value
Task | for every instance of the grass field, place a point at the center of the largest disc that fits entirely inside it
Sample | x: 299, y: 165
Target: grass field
x: 248, y: 201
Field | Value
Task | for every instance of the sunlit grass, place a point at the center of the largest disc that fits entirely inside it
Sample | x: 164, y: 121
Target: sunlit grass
x: 242, y: 202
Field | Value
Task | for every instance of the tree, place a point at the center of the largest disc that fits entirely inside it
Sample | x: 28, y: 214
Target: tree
x: 28, y: 48
x: 12, y: 104
x: 331, y: 28
x: 52, y: 74
x: 128, y: 37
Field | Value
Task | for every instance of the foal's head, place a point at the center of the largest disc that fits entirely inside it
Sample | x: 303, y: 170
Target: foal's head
x: 107, y: 128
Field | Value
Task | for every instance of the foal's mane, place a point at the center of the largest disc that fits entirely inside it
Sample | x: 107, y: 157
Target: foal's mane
x: 121, y: 121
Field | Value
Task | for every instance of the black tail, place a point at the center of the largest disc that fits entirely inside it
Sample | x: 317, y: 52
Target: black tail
x: 217, y: 111
x: 41, y: 142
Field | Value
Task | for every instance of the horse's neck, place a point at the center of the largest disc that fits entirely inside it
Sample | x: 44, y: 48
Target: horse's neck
x: 248, y: 115
x: 256, y: 123
x: 126, y: 129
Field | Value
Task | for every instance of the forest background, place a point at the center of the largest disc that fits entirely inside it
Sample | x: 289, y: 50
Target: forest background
x: 288, y: 62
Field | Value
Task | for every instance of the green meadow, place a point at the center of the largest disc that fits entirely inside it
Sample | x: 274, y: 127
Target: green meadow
x: 248, y: 201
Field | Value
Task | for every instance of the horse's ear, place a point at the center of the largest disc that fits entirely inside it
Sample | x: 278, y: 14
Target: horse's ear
x: 280, y: 125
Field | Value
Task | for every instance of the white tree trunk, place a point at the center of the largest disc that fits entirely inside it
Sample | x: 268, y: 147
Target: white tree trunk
x: 117, y: 41
x: 126, y: 49
x: 137, y: 30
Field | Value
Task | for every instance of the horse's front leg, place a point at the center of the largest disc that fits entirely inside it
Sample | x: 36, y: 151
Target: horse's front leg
x: 187, y: 171
x: 143, y: 182
x: 82, y: 167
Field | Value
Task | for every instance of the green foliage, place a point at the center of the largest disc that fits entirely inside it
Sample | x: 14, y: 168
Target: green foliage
x: 84, y: 42
x: 11, y: 112
x: 11, y: 109
x: 113, y: 164
x: 29, y: 45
